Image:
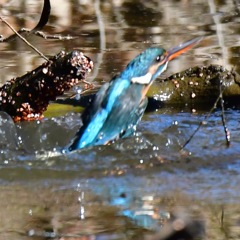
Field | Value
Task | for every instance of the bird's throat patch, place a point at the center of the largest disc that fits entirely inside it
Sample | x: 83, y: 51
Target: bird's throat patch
x: 146, y: 79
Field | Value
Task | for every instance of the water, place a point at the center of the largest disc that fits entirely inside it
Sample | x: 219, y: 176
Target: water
x: 137, y: 184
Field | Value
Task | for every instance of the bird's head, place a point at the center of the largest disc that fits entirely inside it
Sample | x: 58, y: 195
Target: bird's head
x: 148, y: 65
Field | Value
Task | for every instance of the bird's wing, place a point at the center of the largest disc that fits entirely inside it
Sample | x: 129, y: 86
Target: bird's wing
x: 125, y: 114
x: 94, y: 105
x: 95, y: 115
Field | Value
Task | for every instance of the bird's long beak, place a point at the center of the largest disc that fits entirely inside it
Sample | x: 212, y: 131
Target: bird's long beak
x: 180, y: 49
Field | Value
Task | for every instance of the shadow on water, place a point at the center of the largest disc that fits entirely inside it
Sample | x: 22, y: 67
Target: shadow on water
x: 135, y: 188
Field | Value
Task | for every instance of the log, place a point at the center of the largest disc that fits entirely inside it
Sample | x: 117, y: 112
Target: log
x: 27, y: 97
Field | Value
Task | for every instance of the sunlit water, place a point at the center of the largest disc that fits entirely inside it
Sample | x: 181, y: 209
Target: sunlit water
x: 150, y: 165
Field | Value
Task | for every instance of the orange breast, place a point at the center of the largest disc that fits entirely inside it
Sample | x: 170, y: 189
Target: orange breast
x: 145, y: 90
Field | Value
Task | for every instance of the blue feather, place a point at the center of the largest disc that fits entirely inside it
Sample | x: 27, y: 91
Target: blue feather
x: 98, y: 112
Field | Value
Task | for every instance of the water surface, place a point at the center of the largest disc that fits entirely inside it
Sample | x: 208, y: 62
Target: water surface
x: 123, y: 190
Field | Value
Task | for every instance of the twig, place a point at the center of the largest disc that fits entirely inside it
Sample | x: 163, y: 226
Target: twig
x: 201, y: 123
x: 57, y: 36
x: 226, y: 131
x: 37, y: 29
x: 41, y: 23
x: 23, y: 39
x: 37, y: 33
x: 44, y: 16
x: 10, y: 38
x: 89, y: 86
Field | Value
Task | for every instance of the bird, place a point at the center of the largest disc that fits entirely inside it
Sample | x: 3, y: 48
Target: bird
x: 120, y: 103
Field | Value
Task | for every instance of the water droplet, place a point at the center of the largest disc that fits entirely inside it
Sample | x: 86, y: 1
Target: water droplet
x: 168, y: 142
x: 31, y: 232
x: 8, y: 131
x: 175, y: 122
x: 82, y: 213
x: 30, y: 212
x: 44, y: 137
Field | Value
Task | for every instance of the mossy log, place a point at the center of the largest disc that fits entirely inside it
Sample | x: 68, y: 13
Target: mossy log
x: 198, y: 85
x: 27, y: 97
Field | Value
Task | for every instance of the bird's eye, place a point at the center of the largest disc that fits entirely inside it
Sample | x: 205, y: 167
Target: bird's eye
x: 160, y: 58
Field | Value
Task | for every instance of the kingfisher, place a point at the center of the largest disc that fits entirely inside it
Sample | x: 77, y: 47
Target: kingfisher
x: 119, y: 104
